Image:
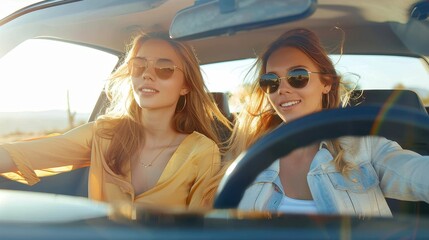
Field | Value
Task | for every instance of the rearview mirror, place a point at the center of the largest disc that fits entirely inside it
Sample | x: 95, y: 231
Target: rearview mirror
x: 208, y: 18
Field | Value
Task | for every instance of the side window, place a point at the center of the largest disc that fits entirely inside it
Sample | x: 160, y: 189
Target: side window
x: 49, y: 87
x: 358, y: 71
x: 386, y: 72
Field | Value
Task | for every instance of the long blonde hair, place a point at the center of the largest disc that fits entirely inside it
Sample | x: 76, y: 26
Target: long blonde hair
x: 122, y: 121
x: 258, y: 116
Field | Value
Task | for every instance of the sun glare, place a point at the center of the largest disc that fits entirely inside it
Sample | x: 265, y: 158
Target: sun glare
x: 38, y: 75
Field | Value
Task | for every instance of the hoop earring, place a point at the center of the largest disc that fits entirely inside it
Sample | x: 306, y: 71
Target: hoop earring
x: 184, y: 104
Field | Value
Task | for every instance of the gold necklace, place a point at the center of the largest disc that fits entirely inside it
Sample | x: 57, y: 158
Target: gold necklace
x: 156, y: 157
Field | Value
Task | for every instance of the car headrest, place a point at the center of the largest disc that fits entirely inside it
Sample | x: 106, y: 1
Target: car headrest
x: 404, y: 98
x: 401, y: 98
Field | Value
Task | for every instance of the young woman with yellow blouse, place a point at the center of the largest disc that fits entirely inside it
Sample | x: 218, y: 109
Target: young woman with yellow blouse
x: 157, y: 145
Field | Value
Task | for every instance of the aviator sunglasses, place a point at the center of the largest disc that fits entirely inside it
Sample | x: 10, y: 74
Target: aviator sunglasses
x: 297, y: 78
x: 164, y: 68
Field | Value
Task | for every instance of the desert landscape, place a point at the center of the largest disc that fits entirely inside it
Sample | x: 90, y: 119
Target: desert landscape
x: 16, y: 126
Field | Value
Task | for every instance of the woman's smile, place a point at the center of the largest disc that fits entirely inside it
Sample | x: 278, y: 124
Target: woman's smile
x: 289, y: 104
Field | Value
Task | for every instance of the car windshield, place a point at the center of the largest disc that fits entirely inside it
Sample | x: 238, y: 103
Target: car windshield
x: 95, y: 145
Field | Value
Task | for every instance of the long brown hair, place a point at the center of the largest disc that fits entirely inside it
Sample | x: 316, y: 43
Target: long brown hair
x: 196, y: 111
x: 258, y: 116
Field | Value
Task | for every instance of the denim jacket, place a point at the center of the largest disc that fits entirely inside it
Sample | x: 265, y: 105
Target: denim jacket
x: 382, y: 169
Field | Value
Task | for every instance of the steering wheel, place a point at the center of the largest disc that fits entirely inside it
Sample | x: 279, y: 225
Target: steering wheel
x: 405, y: 125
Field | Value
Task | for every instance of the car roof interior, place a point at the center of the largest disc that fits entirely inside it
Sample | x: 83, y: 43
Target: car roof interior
x: 378, y: 27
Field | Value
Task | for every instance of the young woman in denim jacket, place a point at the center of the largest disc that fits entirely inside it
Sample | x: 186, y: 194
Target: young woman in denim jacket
x: 349, y: 175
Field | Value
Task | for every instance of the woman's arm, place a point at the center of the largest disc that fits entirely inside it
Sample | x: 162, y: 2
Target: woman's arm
x: 403, y: 174
x: 25, y: 161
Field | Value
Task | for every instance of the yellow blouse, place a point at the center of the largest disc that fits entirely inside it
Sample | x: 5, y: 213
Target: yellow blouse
x: 182, y: 183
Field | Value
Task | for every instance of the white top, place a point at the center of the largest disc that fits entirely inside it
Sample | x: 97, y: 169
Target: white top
x: 291, y: 205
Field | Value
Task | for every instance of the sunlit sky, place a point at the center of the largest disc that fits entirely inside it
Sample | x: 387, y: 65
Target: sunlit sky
x: 38, y: 74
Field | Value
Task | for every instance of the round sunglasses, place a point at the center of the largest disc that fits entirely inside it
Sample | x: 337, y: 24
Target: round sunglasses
x: 164, y: 68
x: 297, y: 78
